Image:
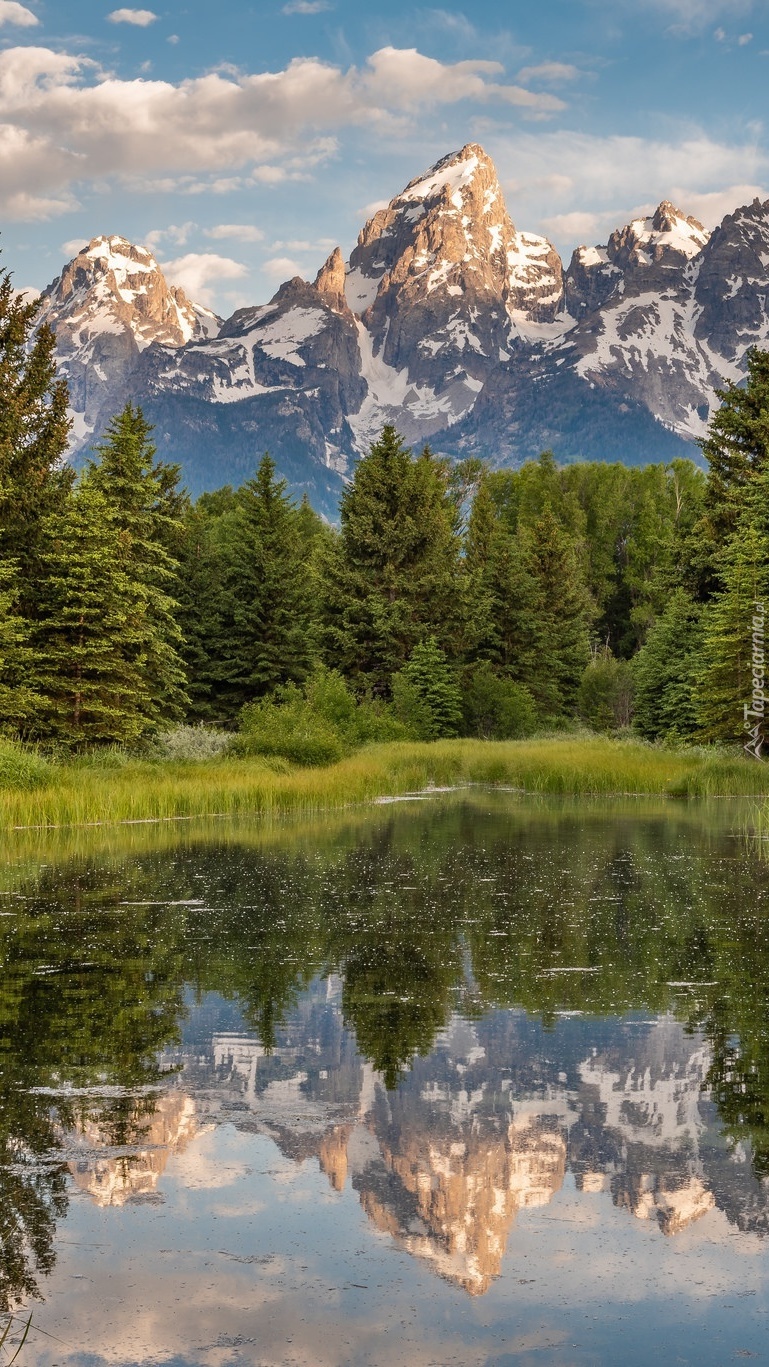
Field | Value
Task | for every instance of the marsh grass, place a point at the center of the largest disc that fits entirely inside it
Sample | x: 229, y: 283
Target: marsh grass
x: 93, y: 793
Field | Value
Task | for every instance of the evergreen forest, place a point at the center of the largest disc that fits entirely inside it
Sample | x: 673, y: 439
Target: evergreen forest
x: 451, y: 599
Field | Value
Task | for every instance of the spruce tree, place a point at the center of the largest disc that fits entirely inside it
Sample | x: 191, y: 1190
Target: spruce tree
x: 200, y: 611
x: 665, y: 673
x: 266, y: 633
x: 95, y: 631
x: 426, y: 694
x: 561, y: 616
x: 501, y: 592
x: 19, y: 699
x: 725, y: 682
x: 34, y: 429
x: 737, y: 447
x: 145, y: 511
x: 392, y: 576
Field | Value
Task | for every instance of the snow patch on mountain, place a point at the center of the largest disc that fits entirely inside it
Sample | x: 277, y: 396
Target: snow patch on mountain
x: 282, y: 338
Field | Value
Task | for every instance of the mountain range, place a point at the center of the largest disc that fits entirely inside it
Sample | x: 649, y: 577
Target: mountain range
x: 447, y: 321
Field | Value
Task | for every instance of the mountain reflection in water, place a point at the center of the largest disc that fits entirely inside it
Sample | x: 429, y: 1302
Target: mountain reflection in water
x: 448, y: 1008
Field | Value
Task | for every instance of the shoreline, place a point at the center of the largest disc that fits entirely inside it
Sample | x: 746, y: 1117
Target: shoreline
x: 90, y: 794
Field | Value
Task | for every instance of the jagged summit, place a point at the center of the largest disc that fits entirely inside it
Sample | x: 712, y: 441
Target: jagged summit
x: 449, y: 233
x: 330, y: 281
x: 110, y: 303
x: 666, y: 233
x: 113, y: 278
x: 444, y: 284
x: 448, y: 321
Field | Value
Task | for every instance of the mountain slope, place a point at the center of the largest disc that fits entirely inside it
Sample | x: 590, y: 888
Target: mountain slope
x: 447, y: 320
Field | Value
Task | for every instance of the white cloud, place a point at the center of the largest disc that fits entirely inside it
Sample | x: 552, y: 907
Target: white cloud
x: 281, y: 267
x: 456, y: 24
x: 73, y: 247
x: 140, y: 17
x: 690, y: 16
x: 611, y: 179
x: 13, y: 13
x: 238, y: 232
x: 368, y: 210
x: 178, y: 233
x: 744, y: 39
x: 306, y: 7
x: 323, y: 244
x: 63, y: 122
x: 198, y: 273
x: 553, y: 73
x: 713, y: 205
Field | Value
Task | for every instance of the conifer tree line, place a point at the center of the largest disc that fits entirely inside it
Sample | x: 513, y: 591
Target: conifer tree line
x: 452, y: 599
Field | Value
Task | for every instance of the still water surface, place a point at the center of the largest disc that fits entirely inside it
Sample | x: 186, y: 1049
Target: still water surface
x: 480, y: 1080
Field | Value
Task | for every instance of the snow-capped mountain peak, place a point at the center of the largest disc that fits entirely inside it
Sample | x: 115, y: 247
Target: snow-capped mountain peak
x: 448, y: 321
x: 110, y: 303
x: 666, y: 234
x: 113, y: 285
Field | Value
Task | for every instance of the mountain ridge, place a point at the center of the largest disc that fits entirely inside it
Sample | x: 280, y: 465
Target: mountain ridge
x: 447, y: 321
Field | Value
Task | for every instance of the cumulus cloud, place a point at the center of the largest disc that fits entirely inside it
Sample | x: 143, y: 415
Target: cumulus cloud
x: 13, y: 13
x: 63, y: 122
x: 238, y: 232
x: 282, y: 268
x: 140, y: 17
x: 306, y: 7
x: 74, y: 247
x: 612, y: 179
x: 178, y: 233
x: 199, y: 273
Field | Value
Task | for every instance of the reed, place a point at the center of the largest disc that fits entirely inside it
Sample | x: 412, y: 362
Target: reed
x: 83, y: 794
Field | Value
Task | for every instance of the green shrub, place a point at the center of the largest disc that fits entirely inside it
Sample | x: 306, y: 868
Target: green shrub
x: 495, y: 708
x: 375, y: 722
x: 22, y: 767
x: 605, y: 695
x: 317, y: 725
x: 287, y: 726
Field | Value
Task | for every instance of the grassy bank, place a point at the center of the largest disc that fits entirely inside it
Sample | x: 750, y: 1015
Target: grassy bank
x: 82, y: 794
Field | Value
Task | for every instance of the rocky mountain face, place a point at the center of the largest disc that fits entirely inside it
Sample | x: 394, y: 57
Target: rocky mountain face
x: 106, y: 308
x: 447, y: 321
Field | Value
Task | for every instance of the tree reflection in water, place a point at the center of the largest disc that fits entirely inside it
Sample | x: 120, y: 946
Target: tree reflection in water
x: 520, y: 938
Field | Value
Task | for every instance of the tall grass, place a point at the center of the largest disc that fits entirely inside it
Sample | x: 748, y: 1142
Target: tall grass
x: 85, y: 794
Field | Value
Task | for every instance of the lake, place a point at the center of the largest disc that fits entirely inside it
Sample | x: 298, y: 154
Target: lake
x: 479, y: 1079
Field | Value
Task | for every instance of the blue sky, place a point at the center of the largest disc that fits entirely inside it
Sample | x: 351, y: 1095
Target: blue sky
x: 242, y: 141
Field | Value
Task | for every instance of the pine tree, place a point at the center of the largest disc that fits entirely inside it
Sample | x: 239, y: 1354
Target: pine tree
x: 200, y: 611
x: 562, y: 612
x: 725, y: 683
x: 426, y: 694
x: 34, y: 428
x: 392, y: 576
x: 501, y: 592
x: 145, y: 511
x: 737, y: 447
x: 19, y: 699
x: 267, y: 633
x: 665, y: 673
x: 93, y: 636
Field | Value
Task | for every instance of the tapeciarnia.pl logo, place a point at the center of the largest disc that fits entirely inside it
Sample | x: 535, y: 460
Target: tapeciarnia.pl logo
x: 754, y: 711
